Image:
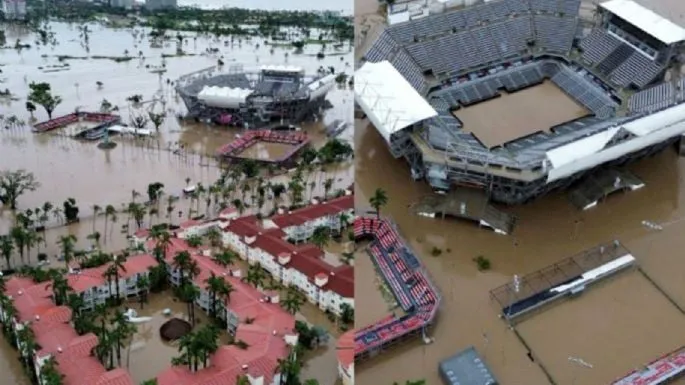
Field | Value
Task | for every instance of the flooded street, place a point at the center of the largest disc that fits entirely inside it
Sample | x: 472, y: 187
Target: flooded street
x: 548, y: 230
x: 68, y: 168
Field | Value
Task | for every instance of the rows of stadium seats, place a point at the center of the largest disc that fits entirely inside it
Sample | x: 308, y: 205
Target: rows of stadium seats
x: 471, y: 48
x: 555, y: 34
x: 401, y: 270
x: 619, y: 62
x: 598, y: 45
x: 652, y: 99
x: 405, y: 65
x: 382, y: 48
x: 579, y: 89
x: 637, y: 69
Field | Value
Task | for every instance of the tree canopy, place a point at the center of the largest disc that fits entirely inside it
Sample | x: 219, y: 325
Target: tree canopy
x: 41, y: 94
x: 15, y: 183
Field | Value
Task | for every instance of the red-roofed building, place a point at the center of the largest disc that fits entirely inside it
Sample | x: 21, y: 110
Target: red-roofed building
x: 54, y: 334
x: 345, y: 350
x: 299, y: 224
x: 265, y: 243
x: 93, y: 287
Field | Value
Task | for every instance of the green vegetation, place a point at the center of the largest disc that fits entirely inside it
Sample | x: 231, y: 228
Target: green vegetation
x: 217, y: 22
x: 14, y: 184
x: 482, y: 263
x: 378, y: 200
x: 436, y: 251
x: 41, y: 94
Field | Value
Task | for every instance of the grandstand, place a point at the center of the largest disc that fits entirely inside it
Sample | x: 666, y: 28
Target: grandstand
x: 282, y: 94
x: 407, y: 280
x: 451, y: 61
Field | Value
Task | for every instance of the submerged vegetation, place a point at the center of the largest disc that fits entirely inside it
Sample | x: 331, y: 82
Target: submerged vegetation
x: 219, y: 22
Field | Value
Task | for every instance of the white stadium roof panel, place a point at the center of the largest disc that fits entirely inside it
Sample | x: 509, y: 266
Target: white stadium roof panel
x: 645, y: 19
x: 389, y: 101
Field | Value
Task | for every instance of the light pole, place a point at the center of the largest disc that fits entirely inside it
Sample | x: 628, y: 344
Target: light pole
x: 517, y: 288
x: 580, y: 363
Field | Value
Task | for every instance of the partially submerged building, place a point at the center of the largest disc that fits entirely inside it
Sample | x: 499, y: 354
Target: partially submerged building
x: 466, y: 368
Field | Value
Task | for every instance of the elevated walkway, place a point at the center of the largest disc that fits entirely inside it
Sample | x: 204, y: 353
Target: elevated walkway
x: 468, y: 204
x: 600, y: 185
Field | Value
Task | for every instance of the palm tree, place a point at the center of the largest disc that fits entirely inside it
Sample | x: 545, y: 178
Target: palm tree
x: 143, y: 286
x: 123, y: 330
x: 327, y: 185
x: 217, y: 286
x: 378, y: 200
x: 49, y: 375
x: 110, y: 212
x: 190, y: 293
x: 27, y: 346
x: 67, y: 243
x: 214, y: 236
x: 321, y: 236
x: 181, y: 261
x: 18, y: 235
x: 110, y: 274
x: 293, y: 301
x: 137, y: 211
x: 118, y: 265
x: 96, y: 211
x: 6, y: 249
x: 225, y: 258
x: 162, y: 242
x: 255, y: 276
x: 60, y: 287
x: 242, y: 380
x: 31, y: 239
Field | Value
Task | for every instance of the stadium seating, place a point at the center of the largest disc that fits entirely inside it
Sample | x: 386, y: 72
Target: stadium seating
x: 615, y: 59
x: 598, y: 45
x: 637, y: 69
x: 579, y: 89
x: 652, y: 99
x: 555, y: 34
x: 409, y: 70
x: 382, y: 48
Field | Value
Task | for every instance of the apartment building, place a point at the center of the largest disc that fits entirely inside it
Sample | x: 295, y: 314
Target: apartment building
x: 299, y: 225
x: 56, y: 337
x: 94, y: 287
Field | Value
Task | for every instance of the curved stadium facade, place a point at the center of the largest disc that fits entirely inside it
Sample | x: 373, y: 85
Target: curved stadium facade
x: 445, y: 64
x: 256, y: 98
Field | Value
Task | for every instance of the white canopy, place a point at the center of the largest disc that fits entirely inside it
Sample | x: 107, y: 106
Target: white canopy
x: 281, y: 68
x: 645, y: 19
x: 389, y: 101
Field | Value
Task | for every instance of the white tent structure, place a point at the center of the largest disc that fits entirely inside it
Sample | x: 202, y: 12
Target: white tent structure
x: 591, y: 151
x: 389, y: 101
x: 645, y: 19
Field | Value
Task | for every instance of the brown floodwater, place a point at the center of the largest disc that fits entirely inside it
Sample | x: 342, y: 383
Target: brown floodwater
x: 548, y: 230
x: 266, y: 151
x: 68, y: 168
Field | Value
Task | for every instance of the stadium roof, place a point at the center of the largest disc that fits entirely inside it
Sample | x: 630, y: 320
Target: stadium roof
x: 466, y: 368
x: 647, y: 20
x: 389, y: 101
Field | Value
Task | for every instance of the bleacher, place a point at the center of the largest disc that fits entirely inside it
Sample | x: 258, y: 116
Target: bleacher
x: 637, y: 69
x: 578, y: 88
x: 405, y: 65
x: 382, y: 48
x: 652, y: 99
x: 402, y: 272
x: 620, y: 63
x: 555, y: 34
x: 598, y: 45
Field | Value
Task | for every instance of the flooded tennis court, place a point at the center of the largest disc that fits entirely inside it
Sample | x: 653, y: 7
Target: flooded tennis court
x: 616, y: 325
x: 266, y: 151
x: 524, y: 114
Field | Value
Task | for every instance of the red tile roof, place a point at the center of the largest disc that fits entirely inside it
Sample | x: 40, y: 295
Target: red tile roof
x: 244, y: 226
x: 93, y: 277
x: 346, y: 349
x: 55, y: 335
x: 265, y: 336
x: 312, y: 212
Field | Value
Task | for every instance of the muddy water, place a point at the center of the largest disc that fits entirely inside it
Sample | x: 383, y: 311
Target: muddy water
x: 68, y: 168
x: 548, y: 230
x: 524, y: 116
x: 266, y: 151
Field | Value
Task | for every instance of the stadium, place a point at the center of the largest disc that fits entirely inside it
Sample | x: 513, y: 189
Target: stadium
x: 271, y: 94
x: 516, y: 98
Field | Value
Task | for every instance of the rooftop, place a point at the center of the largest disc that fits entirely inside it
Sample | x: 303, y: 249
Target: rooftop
x: 466, y: 368
x: 315, y: 211
x: 647, y: 20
